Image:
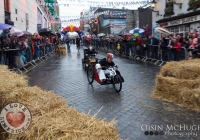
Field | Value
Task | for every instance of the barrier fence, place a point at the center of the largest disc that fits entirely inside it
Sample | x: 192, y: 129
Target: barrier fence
x: 154, y: 53
x: 14, y: 56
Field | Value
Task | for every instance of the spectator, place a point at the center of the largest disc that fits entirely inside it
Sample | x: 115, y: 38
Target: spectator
x: 132, y: 41
x: 177, y: 47
x: 20, y: 46
x: 154, y: 42
x: 147, y: 30
x: 170, y: 44
x: 163, y: 47
x: 138, y: 44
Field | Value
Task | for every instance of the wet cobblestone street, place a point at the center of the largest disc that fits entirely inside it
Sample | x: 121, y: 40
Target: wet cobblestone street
x: 133, y: 108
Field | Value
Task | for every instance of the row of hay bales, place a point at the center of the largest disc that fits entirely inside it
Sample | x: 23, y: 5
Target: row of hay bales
x: 52, y: 119
x: 179, y: 82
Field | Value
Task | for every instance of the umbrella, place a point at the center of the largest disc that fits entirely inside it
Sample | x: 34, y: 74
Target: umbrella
x: 44, y: 31
x: 52, y: 33
x: 93, y: 35
x: 162, y: 30
x: 136, y: 30
x: 5, y: 26
x: 15, y: 31
x: 21, y: 34
x: 127, y: 34
x: 26, y: 33
x: 101, y: 34
x: 59, y: 35
x: 136, y: 34
x: 88, y: 37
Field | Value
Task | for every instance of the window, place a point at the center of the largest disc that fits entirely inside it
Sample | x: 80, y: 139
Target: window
x: 7, y: 5
x: 176, y: 29
x: 172, y: 29
x: 15, y: 11
x: 181, y: 28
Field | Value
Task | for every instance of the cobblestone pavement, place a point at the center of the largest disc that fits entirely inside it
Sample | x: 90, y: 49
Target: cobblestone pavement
x: 134, y: 109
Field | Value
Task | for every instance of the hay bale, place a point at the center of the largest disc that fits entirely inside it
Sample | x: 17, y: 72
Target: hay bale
x: 62, y: 47
x: 33, y: 98
x: 63, y: 52
x: 51, y: 118
x: 189, y: 69
x: 10, y: 80
x: 67, y: 124
x: 180, y: 91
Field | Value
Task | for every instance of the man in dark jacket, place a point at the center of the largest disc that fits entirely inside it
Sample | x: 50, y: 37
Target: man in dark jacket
x: 154, y: 42
x: 88, y: 52
x: 106, y: 62
x: 78, y: 43
x: 56, y: 43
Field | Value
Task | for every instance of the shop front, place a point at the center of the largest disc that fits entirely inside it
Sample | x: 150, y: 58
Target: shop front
x: 181, y: 24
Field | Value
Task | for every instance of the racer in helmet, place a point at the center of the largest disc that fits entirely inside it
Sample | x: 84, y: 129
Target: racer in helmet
x: 90, y: 51
x: 106, y: 62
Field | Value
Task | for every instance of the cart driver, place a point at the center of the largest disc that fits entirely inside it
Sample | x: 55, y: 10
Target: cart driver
x: 106, y: 62
x: 90, y: 51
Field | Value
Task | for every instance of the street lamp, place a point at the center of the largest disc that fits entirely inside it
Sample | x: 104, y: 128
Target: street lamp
x: 153, y: 5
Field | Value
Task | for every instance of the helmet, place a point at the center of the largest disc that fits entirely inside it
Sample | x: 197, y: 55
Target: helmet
x: 109, y: 55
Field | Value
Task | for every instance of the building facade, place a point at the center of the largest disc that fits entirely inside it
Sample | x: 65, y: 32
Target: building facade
x: 145, y: 17
x: 115, y: 21
x: 180, y: 16
x: 26, y: 15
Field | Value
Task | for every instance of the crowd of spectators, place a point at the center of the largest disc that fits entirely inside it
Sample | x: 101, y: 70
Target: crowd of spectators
x: 167, y: 48
x: 21, y: 50
x: 173, y: 47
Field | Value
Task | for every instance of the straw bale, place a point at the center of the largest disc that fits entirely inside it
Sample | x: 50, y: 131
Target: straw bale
x: 10, y: 80
x: 189, y: 69
x: 180, y: 91
x: 51, y: 117
x: 37, y: 100
x: 67, y: 124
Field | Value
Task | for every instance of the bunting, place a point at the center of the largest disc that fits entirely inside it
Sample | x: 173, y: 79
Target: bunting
x: 77, y: 3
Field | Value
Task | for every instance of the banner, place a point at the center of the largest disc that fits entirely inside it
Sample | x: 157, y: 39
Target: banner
x: 116, y: 25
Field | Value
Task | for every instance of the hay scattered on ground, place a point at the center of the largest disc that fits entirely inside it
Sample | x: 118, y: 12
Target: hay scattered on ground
x: 10, y: 80
x: 51, y: 117
x: 179, y: 82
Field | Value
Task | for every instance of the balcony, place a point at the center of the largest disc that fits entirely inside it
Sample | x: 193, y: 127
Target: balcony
x: 193, y: 4
x: 169, y: 10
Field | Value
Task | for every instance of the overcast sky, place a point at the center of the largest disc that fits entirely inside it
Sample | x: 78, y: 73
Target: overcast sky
x: 75, y: 7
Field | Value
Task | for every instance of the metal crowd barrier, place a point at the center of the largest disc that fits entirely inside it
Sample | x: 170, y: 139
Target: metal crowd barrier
x: 126, y: 51
x: 45, y: 52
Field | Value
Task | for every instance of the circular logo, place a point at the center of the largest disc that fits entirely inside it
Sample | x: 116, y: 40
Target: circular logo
x: 15, y: 118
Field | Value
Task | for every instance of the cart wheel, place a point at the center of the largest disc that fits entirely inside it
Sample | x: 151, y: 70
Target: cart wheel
x: 90, y: 74
x: 117, y: 83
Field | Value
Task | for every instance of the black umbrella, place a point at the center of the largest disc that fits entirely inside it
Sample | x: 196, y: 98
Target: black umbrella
x: 59, y: 35
x: 44, y: 31
x: 26, y: 33
x: 52, y: 33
